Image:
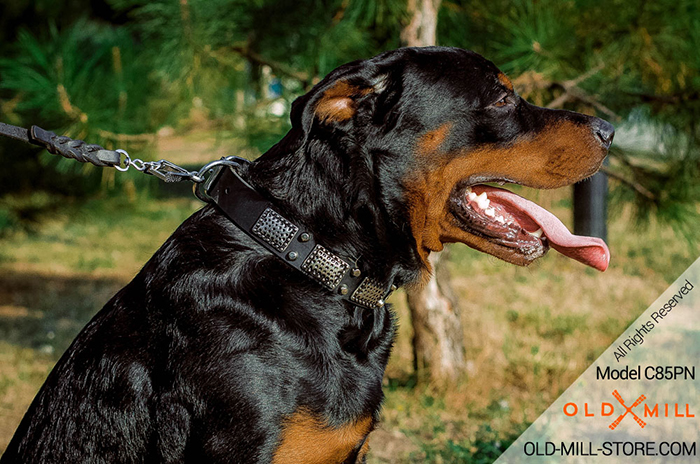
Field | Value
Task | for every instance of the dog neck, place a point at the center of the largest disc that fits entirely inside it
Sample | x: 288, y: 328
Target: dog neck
x: 336, y: 198
x: 294, y: 244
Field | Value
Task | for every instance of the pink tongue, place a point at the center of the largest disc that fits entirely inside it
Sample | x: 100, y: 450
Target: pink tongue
x: 589, y: 250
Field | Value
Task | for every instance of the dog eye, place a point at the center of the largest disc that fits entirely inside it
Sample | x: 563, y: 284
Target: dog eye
x: 502, y: 102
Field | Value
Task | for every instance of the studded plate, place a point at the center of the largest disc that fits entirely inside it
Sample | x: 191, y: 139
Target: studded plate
x: 274, y: 229
x: 369, y: 293
x: 325, y: 267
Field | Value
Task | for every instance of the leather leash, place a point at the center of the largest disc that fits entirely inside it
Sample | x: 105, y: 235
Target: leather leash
x: 218, y: 182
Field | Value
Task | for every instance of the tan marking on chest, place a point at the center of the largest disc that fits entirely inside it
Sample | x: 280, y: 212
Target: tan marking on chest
x: 306, y: 439
x: 363, y: 451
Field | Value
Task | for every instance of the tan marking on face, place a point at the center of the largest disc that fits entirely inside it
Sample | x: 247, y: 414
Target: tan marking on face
x: 431, y: 141
x: 338, y: 102
x: 306, y: 439
x: 505, y: 81
x: 560, y: 155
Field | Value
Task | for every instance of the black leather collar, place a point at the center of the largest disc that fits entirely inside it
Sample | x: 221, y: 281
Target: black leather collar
x: 297, y: 247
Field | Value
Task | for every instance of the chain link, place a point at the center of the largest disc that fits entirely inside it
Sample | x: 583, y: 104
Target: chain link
x: 138, y: 165
x: 163, y: 169
x: 171, y: 172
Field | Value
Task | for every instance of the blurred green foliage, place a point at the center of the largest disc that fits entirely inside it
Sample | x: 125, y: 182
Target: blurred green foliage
x: 96, y: 70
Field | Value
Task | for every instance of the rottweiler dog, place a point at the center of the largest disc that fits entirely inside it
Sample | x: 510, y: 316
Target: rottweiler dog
x: 219, y: 351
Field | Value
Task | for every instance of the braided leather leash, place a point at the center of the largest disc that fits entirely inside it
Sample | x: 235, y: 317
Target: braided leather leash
x: 102, y: 157
x: 64, y: 146
x: 218, y: 182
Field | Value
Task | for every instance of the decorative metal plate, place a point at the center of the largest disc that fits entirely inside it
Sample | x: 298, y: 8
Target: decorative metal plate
x: 325, y: 267
x: 368, y: 293
x: 274, y: 229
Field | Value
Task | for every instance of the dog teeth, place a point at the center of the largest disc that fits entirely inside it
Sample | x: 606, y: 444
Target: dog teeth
x: 482, y: 201
x: 490, y: 212
x: 501, y: 219
x: 537, y: 233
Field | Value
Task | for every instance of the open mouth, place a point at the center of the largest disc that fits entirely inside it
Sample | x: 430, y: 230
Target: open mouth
x: 521, y: 227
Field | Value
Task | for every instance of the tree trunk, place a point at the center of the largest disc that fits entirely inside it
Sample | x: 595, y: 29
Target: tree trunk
x: 421, y: 31
x: 438, y: 341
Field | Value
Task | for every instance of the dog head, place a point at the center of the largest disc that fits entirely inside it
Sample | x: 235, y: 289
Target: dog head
x: 411, y: 136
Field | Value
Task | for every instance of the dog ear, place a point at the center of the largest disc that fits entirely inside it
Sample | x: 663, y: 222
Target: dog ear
x: 335, y: 99
x: 339, y: 102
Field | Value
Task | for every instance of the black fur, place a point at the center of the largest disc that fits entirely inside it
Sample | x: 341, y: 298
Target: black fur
x: 202, y: 356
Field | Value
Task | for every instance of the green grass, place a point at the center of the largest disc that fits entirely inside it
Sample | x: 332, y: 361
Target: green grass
x: 529, y: 332
x: 100, y: 237
x: 59, y: 276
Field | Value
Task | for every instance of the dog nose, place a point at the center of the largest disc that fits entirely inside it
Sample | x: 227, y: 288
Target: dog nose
x: 604, y: 131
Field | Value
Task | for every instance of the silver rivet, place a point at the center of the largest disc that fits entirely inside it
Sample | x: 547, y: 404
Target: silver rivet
x: 292, y: 255
x: 380, y: 303
x: 305, y: 237
x: 393, y: 287
x: 343, y: 289
x: 356, y: 272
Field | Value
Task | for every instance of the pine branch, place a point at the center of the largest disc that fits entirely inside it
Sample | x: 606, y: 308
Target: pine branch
x: 639, y: 188
x: 279, y: 68
x: 338, y: 16
x: 573, y: 92
x: 68, y: 108
x: 576, y: 93
x: 594, y: 70
x: 530, y: 81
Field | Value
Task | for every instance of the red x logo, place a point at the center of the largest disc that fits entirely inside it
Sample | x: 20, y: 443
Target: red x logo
x: 639, y: 401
